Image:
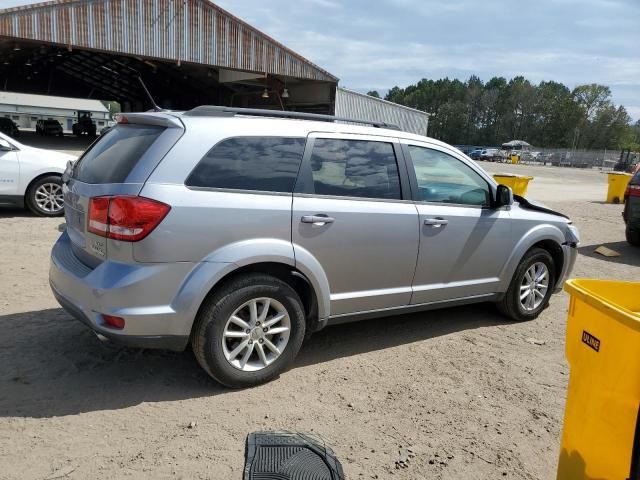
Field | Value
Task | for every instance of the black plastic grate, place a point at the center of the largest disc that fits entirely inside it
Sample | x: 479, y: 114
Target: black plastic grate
x: 289, y: 456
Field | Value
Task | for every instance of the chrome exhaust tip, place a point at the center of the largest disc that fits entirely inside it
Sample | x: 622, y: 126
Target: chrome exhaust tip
x: 101, y: 337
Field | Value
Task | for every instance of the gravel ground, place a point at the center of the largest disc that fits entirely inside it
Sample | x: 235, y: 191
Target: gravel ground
x: 466, y: 392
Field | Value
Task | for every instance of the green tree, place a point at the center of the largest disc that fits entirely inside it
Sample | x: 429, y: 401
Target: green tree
x: 373, y: 93
x: 499, y: 110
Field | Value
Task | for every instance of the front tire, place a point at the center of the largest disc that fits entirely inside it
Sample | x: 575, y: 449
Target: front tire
x: 44, y: 197
x: 633, y: 237
x: 530, y: 288
x: 249, y: 331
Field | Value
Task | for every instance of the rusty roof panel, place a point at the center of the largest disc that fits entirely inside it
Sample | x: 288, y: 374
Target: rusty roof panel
x: 194, y: 31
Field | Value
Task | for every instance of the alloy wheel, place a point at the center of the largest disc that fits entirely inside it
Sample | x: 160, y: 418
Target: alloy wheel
x: 534, y: 286
x: 256, y: 334
x: 49, y: 198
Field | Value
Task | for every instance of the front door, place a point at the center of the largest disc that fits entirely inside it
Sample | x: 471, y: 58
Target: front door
x: 350, y: 213
x: 464, y: 242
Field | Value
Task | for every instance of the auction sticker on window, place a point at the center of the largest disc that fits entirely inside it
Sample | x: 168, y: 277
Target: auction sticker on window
x: 590, y: 340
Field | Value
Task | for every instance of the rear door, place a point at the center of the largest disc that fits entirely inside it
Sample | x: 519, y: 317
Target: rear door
x: 352, y: 211
x: 118, y: 163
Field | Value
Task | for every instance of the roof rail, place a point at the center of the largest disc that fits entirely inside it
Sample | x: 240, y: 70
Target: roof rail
x: 218, y: 111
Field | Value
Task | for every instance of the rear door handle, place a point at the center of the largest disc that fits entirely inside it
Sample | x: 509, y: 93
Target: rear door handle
x: 320, y: 219
x: 435, y: 222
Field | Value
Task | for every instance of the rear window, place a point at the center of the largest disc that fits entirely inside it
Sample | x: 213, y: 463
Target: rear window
x: 268, y: 164
x: 114, y: 156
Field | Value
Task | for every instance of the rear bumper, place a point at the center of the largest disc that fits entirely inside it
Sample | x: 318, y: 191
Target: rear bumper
x: 143, y: 294
x: 164, y: 342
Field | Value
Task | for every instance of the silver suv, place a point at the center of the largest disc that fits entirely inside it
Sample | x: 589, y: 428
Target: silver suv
x: 241, y: 233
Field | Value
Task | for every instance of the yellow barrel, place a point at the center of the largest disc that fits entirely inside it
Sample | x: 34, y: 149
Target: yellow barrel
x: 518, y: 183
x: 618, y: 182
x: 601, y: 420
x: 515, y: 159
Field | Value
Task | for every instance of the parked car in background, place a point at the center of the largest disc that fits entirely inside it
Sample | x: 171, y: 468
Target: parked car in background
x: 49, y: 127
x: 489, y: 154
x: 215, y: 227
x: 475, y: 153
x: 31, y: 177
x: 631, y: 212
x: 466, y: 149
x: 9, y: 127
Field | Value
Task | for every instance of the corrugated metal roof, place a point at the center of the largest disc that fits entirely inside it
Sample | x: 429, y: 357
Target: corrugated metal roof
x: 194, y: 31
x: 364, y: 107
x: 46, y: 101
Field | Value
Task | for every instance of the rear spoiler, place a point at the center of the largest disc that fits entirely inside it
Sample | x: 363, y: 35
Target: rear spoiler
x: 150, y: 118
x: 524, y: 203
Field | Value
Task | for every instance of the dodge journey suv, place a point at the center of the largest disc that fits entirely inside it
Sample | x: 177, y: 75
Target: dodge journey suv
x: 241, y: 232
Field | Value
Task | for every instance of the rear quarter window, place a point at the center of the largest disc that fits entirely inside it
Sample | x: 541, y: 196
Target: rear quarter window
x: 114, y: 156
x: 268, y: 164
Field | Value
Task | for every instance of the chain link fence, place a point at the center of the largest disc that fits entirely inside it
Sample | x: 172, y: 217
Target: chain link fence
x: 557, y: 157
x: 565, y: 157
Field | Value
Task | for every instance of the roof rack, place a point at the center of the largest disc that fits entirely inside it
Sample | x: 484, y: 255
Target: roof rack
x: 218, y: 111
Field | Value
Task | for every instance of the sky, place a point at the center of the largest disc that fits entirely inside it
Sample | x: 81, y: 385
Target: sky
x: 378, y: 44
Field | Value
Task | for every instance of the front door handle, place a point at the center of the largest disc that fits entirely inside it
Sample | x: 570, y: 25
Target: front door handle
x: 435, y: 222
x: 319, y: 219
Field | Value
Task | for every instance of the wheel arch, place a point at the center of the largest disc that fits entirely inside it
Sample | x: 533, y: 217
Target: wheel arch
x: 547, y: 237
x: 285, y: 272
x: 270, y: 256
x: 555, y: 250
x: 31, y: 182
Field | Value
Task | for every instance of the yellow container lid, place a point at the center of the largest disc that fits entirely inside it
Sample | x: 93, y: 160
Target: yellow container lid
x: 511, y: 175
x: 618, y: 300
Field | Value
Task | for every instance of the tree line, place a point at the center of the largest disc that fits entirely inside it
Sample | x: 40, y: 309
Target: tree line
x: 546, y: 115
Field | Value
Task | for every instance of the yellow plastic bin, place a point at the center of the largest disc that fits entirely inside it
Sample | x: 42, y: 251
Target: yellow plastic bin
x: 515, y: 159
x: 618, y: 182
x: 518, y: 183
x: 601, y: 422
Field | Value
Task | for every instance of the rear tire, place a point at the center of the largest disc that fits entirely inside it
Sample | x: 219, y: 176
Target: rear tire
x: 214, y: 346
x: 44, y: 197
x: 512, y: 305
x: 633, y: 237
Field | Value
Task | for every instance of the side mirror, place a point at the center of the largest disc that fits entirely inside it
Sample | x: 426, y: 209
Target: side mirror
x: 5, y: 146
x: 504, y: 196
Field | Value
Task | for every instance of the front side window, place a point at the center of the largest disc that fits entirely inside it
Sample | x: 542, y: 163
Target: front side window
x: 355, y: 168
x: 445, y: 179
x: 267, y: 164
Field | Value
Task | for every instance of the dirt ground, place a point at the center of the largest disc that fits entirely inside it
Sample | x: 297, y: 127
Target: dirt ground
x: 467, y: 392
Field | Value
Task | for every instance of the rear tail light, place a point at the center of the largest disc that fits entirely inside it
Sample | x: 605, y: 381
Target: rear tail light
x: 125, y: 218
x: 633, y: 190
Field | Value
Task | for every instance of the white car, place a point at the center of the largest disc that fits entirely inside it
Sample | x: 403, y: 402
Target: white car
x: 31, y: 177
x: 489, y: 154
